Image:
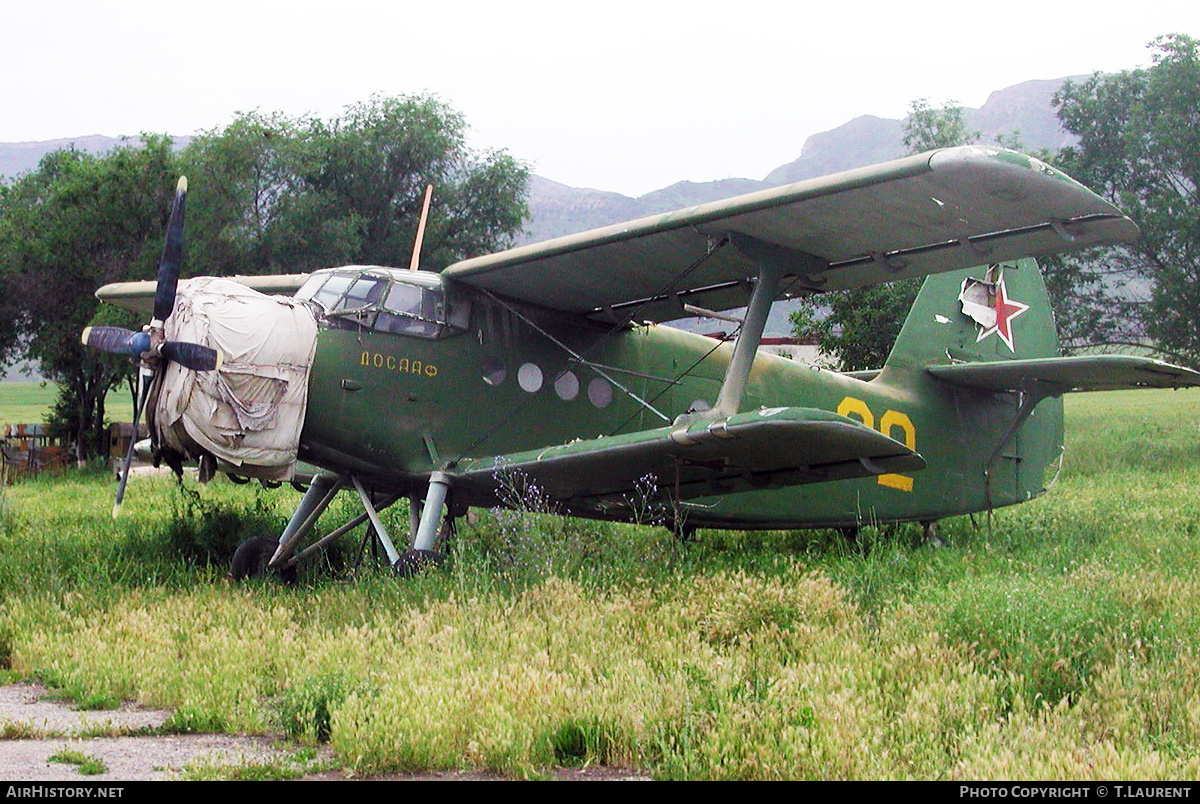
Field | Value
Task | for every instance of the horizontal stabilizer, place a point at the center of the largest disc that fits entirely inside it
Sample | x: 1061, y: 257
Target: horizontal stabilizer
x: 767, y: 448
x: 1053, y: 376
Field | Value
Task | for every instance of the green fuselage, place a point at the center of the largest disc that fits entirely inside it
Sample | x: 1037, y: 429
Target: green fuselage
x: 392, y: 407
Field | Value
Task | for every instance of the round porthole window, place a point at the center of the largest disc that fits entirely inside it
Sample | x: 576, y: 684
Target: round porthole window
x: 567, y: 386
x: 600, y: 392
x: 494, y: 370
x: 529, y: 377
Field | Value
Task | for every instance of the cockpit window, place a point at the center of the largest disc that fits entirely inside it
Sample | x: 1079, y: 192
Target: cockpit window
x: 364, y: 292
x: 386, y: 301
x: 332, y: 290
x: 411, y: 310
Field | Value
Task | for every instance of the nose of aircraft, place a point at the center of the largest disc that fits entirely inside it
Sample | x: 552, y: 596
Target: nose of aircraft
x: 247, y: 414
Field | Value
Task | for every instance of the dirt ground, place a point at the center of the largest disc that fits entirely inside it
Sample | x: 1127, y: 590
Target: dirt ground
x: 34, y: 728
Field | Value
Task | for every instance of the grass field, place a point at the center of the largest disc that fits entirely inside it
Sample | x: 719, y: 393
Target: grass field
x: 29, y: 402
x: 1056, y: 641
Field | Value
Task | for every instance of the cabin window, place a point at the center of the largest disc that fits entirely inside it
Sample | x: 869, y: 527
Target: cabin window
x: 529, y: 377
x: 311, y: 285
x: 567, y: 386
x: 494, y: 370
x: 599, y: 392
x: 357, y: 305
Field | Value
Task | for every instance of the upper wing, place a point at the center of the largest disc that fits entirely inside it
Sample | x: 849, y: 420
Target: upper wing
x: 139, y: 296
x: 1058, y: 375
x: 923, y: 214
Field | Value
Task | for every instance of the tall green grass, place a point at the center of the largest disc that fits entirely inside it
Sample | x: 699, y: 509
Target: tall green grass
x: 1054, y: 640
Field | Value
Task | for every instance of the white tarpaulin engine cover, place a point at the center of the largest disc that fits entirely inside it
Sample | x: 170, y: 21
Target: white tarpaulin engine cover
x: 249, y: 413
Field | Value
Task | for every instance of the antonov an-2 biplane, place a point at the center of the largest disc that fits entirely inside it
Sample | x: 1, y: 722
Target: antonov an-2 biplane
x: 550, y: 361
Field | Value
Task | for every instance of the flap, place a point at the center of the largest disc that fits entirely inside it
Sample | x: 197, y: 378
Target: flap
x: 766, y: 448
x: 922, y: 214
x: 1064, y: 374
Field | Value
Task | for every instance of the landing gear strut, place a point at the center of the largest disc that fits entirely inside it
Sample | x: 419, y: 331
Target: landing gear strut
x: 261, y: 554
x: 929, y: 533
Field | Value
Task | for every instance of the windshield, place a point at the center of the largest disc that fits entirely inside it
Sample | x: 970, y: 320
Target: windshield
x: 386, y: 300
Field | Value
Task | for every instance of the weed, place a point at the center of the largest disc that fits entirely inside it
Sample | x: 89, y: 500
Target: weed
x: 63, y: 686
x: 6, y: 648
x: 307, y: 709
x: 579, y: 741
x: 20, y: 730
x: 190, y: 719
x: 88, y: 766
x: 277, y: 771
x: 208, y: 531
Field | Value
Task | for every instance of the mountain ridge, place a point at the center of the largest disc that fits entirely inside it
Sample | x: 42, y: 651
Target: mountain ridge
x: 1023, y: 111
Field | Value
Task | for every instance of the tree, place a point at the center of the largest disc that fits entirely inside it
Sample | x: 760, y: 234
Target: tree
x: 1139, y: 146
x: 927, y: 128
x: 75, y: 223
x: 279, y: 194
x: 857, y: 328
x: 268, y: 194
x: 239, y: 178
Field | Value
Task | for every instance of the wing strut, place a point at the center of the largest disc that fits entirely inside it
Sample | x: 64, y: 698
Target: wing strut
x: 774, y: 265
x: 733, y: 387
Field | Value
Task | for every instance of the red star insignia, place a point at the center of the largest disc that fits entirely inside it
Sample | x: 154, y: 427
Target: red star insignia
x: 1006, y: 310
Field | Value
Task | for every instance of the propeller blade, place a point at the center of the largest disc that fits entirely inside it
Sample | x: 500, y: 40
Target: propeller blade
x: 143, y: 394
x: 192, y: 355
x: 116, y: 340
x: 172, y: 256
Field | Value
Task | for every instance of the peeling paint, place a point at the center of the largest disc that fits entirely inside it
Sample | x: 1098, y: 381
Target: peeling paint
x: 978, y: 299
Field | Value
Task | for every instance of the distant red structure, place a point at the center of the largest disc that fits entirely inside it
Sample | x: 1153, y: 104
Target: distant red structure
x: 27, y: 450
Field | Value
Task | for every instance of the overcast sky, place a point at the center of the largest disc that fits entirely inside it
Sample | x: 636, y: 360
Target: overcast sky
x: 624, y: 96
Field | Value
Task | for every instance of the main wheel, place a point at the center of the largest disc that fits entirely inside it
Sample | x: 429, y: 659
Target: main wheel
x: 415, y: 561
x: 251, y: 557
x: 929, y: 534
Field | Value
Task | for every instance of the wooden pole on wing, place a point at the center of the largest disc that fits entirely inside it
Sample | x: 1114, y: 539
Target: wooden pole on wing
x: 416, y: 255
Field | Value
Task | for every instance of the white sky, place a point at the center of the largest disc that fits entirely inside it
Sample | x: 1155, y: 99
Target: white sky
x: 624, y: 96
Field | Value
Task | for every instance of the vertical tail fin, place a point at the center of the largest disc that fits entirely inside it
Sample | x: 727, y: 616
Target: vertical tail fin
x: 988, y: 313
x: 991, y: 312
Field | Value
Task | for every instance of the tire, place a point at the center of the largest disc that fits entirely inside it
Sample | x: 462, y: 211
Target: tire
x: 417, y: 561
x: 251, y: 557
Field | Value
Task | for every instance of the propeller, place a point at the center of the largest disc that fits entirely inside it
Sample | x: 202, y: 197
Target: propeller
x: 121, y: 341
x: 150, y: 346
